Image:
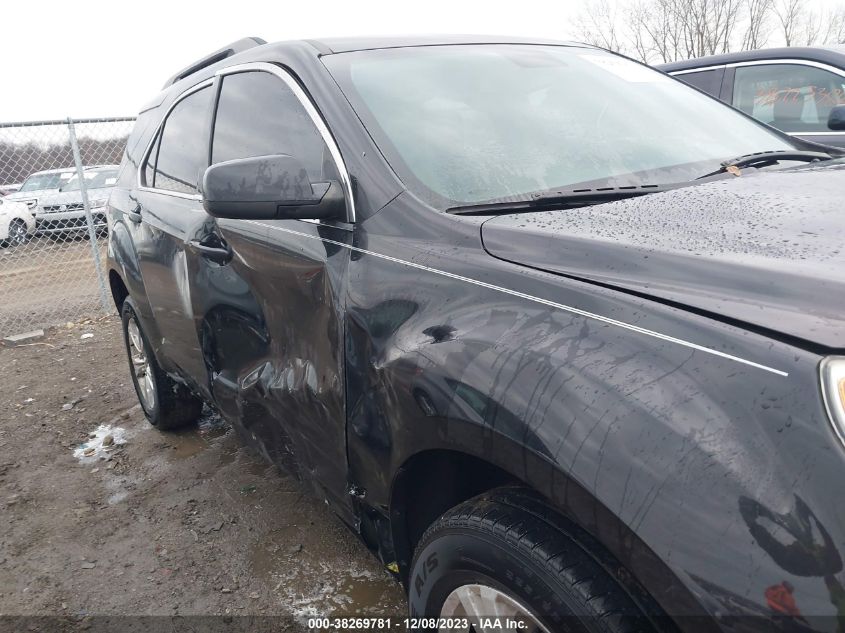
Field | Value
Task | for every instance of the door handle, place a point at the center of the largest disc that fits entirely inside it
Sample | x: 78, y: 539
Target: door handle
x: 220, y: 254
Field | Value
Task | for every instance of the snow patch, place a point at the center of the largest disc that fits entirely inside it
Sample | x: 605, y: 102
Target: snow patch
x: 94, y: 448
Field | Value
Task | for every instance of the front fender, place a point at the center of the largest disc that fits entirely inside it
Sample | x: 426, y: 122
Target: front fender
x: 707, y: 478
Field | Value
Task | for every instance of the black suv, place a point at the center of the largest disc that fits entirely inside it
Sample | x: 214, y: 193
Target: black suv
x: 554, y: 333
x: 799, y: 90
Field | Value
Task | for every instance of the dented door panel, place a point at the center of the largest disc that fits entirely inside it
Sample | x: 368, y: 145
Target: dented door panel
x: 271, y: 337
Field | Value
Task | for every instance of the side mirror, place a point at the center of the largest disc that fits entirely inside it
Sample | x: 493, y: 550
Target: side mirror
x: 836, y: 119
x: 269, y: 188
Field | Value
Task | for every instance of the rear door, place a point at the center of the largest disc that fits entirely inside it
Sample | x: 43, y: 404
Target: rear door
x: 170, y: 209
x: 269, y: 319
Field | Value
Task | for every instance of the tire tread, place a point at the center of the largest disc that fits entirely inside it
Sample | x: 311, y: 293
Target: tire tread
x: 518, y: 517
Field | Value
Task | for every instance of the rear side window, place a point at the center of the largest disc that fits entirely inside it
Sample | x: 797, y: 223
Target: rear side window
x: 709, y: 81
x: 150, y: 166
x: 181, y: 151
x: 791, y: 97
x: 258, y: 115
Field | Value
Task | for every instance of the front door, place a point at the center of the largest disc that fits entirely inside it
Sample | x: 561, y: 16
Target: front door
x: 269, y: 319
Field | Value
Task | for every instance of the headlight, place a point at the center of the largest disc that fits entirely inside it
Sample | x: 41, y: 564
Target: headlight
x: 96, y: 204
x: 833, y: 390
x: 30, y: 203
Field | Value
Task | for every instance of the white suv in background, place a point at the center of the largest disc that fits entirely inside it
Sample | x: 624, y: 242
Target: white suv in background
x: 41, y: 185
x: 64, y: 210
x: 17, y: 224
x: 54, y: 197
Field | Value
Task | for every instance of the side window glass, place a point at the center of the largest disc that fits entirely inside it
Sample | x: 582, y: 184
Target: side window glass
x: 710, y: 81
x: 183, y: 144
x: 150, y: 165
x: 258, y: 115
x: 790, y: 97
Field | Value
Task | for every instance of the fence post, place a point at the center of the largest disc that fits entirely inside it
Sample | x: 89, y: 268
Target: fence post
x: 89, y: 219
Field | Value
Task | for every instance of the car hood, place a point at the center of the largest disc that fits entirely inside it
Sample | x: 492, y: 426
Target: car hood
x: 12, y: 206
x: 74, y: 197
x: 29, y: 195
x: 767, y: 248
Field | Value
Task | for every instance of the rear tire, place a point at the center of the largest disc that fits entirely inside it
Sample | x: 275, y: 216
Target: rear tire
x: 166, y: 403
x: 507, y: 552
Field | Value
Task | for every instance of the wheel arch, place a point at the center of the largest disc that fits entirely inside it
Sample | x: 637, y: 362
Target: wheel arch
x: 433, y: 480
x: 124, y: 275
x: 119, y: 291
x: 426, y: 485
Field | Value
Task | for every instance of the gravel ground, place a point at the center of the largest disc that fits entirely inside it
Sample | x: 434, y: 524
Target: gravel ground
x: 47, y: 281
x: 153, y: 524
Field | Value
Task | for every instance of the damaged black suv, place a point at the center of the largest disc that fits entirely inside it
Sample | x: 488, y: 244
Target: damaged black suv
x: 557, y: 335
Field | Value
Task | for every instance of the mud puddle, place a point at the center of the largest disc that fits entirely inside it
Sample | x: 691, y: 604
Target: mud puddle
x: 313, y: 584
x: 155, y: 523
x: 189, y: 442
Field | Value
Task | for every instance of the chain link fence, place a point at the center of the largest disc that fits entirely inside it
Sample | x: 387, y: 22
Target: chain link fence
x: 55, y: 179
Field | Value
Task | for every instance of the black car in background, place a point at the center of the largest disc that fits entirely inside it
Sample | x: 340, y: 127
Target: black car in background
x: 799, y: 90
x: 559, y: 337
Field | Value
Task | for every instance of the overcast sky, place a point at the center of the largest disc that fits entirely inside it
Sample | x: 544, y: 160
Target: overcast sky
x: 94, y: 58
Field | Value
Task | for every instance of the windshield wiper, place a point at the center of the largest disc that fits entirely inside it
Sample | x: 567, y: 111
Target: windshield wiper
x: 763, y: 159
x: 562, y: 199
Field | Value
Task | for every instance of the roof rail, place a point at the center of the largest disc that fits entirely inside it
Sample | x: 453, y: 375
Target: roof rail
x: 242, y: 44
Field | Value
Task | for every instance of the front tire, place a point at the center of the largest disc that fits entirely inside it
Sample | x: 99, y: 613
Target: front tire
x: 18, y: 233
x: 505, y: 553
x: 166, y: 403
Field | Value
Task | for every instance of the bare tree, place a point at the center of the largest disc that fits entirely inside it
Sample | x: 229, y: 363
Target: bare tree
x: 800, y: 25
x: 638, y: 16
x: 795, y: 21
x: 757, y: 26
x: 833, y: 31
x: 667, y: 30
x: 598, y: 25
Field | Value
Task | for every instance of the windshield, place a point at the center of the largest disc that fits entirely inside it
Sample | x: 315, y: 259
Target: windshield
x: 38, y: 182
x: 93, y: 180
x: 470, y: 124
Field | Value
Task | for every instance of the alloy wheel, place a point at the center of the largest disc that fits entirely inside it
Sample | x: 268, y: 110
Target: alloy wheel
x: 482, y: 605
x: 17, y: 233
x: 141, y: 365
